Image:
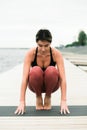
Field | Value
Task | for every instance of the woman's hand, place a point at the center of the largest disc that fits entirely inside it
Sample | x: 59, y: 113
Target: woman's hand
x: 20, y: 109
x: 64, y: 108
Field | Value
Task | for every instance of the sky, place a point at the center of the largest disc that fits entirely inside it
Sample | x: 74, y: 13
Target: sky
x: 21, y: 19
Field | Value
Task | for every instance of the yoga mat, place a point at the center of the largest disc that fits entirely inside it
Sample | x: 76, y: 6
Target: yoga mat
x: 55, y: 111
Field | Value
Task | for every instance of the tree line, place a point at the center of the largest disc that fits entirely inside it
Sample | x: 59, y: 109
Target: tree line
x: 82, y: 40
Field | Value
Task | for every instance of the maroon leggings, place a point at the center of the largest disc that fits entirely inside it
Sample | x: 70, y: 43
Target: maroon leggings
x: 43, y: 81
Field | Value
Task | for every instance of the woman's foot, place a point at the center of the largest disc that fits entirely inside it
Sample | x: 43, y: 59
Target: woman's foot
x: 47, y: 103
x: 39, y: 103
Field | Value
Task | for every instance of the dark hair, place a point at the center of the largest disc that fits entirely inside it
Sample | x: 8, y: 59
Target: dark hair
x: 44, y: 34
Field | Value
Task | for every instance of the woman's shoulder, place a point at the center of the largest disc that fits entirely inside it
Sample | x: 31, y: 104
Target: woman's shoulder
x: 56, y: 54
x: 30, y: 53
x: 56, y: 51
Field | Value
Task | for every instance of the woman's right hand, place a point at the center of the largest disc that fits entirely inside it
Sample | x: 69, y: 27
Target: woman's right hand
x: 20, y: 109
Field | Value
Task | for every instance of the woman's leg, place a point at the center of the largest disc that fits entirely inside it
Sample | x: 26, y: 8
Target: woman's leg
x: 36, y: 80
x: 36, y: 84
x: 51, y: 79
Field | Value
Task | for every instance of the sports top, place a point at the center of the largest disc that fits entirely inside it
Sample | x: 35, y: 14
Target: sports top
x: 52, y: 62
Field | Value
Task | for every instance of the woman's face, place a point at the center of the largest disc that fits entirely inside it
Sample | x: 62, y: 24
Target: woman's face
x: 43, y: 46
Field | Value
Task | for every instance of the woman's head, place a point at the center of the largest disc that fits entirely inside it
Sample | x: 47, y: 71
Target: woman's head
x: 44, y: 35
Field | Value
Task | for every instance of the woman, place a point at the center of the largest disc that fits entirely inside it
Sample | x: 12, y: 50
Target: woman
x: 43, y: 73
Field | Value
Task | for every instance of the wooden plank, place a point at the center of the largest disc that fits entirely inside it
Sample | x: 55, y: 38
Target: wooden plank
x: 83, y: 68
x: 79, y: 63
x: 47, y: 123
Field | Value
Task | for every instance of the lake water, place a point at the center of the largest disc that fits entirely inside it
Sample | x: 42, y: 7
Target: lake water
x: 11, y: 57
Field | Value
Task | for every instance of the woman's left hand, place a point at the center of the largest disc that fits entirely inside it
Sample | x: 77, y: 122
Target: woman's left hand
x: 64, y: 108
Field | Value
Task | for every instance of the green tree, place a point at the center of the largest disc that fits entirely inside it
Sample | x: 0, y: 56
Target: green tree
x: 82, y: 38
x: 76, y: 43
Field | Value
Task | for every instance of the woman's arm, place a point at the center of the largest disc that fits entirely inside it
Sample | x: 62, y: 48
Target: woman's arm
x: 63, y: 86
x: 25, y: 77
x: 60, y: 66
x: 26, y: 69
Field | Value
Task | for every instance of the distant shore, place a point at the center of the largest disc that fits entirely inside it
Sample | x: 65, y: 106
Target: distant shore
x: 76, y: 55
x: 77, y: 50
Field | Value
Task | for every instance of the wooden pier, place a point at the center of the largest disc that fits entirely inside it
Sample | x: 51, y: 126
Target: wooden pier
x: 76, y: 95
x: 79, y: 60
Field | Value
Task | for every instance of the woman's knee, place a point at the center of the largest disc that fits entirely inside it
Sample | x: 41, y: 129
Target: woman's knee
x: 36, y: 72
x: 51, y: 70
x: 35, y: 78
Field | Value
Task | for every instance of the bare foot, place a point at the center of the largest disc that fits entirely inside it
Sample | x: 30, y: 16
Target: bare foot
x: 39, y: 103
x: 47, y: 103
